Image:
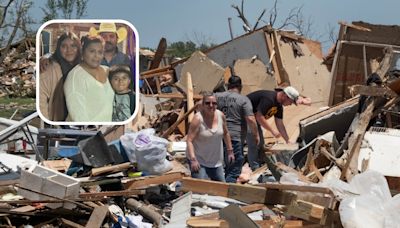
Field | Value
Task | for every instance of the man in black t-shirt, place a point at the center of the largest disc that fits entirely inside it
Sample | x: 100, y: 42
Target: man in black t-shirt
x: 265, y: 105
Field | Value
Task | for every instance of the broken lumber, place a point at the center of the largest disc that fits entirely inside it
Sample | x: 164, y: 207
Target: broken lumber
x: 97, y: 217
x: 289, y: 187
x: 314, y: 213
x: 361, y: 127
x: 372, y: 91
x: 172, y: 128
x: 159, y: 54
x: 246, y: 209
x: 68, y: 223
x: 190, y: 102
x: 287, y: 169
x: 386, y: 106
x: 354, y: 148
x: 384, y: 65
x: 98, y: 171
x: 113, y: 193
x: 140, y: 182
x: 236, y: 217
x: 355, y: 26
x: 144, y: 210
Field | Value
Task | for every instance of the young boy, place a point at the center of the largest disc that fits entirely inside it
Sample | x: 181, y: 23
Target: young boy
x: 124, y: 100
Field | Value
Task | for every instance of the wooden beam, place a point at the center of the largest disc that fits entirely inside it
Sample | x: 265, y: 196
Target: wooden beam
x: 353, y: 150
x: 190, y: 102
x: 21, y: 202
x: 384, y: 65
x: 386, y: 106
x: 214, y: 188
x: 157, y: 70
x: 153, y: 180
x: 174, y: 96
x: 10, y: 182
x: 314, y: 213
x: 374, y: 91
x: 97, y: 217
x: 272, y: 57
x: 355, y: 26
x: 270, y: 185
x: 247, y: 193
x: 159, y: 54
x: 334, y: 73
x: 158, y: 85
x: 291, y: 170
x: 98, y: 171
x: 172, y: 128
x: 341, y: 32
x: 156, y: 74
x: 68, y: 223
x: 113, y: 193
x: 182, y: 125
x: 279, y: 59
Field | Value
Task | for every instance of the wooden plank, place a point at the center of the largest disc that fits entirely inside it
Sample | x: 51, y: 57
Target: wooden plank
x: 334, y: 73
x: 246, y: 209
x: 236, y: 217
x: 159, y: 54
x: 157, y: 180
x: 175, y: 96
x: 10, y: 182
x: 158, y: 85
x: 361, y: 127
x: 279, y: 59
x: 395, y: 86
x: 98, y: 171
x: 172, y: 128
x: 182, y: 125
x: 270, y: 185
x: 355, y: 26
x: 21, y: 202
x: 157, y: 70
x: 291, y: 170
x: 69, y: 224
x: 113, y: 193
x: 204, y: 187
x: 314, y: 213
x: 97, y: 217
x: 212, y: 223
x: 372, y: 91
x: 274, y: 64
x: 156, y: 74
x: 190, y: 102
x: 247, y: 193
x: 384, y: 65
x: 353, y: 149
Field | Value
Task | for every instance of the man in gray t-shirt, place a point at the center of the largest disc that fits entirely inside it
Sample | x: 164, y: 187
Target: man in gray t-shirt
x: 238, y: 112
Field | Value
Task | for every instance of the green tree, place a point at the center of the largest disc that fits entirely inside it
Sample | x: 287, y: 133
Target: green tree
x: 63, y: 9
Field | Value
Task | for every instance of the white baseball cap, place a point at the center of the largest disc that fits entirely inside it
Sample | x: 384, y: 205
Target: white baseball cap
x: 292, y: 93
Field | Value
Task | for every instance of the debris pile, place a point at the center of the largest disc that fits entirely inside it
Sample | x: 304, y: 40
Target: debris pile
x: 17, y: 71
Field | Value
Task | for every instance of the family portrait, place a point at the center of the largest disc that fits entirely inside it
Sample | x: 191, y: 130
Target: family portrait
x: 87, y: 72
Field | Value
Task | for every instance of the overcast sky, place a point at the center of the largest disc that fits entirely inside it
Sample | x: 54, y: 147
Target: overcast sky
x: 155, y: 19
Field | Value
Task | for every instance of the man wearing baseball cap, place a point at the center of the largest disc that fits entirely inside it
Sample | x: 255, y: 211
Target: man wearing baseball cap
x: 112, y: 37
x: 265, y: 105
x: 238, y: 111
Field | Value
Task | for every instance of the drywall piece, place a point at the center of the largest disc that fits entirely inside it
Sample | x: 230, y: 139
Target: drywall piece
x: 306, y: 73
x: 180, y: 212
x: 242, y: 48
x: 236, y: 217
x: 205, y: 73
x: 255, y: 76
x: 383, y: 151
x: 45, y: 180
x: 337, y: 119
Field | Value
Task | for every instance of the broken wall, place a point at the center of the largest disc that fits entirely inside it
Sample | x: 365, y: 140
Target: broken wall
x: 306, y: 73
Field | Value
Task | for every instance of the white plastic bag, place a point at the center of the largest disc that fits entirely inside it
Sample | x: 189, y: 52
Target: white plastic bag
x: 151, y: 152
x: 128, y: 142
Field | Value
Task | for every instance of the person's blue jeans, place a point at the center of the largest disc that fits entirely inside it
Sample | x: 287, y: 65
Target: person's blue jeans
x: 254, y: 152
x: 233, y: 171
x: 215, y: 174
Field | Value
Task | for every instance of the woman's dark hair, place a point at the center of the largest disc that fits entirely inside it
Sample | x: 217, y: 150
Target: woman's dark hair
x: 118, y: 68
x: 66, y: 67
x: 88, y: 39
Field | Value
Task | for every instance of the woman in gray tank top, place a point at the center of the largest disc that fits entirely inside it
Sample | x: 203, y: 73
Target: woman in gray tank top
x: 204, y: 143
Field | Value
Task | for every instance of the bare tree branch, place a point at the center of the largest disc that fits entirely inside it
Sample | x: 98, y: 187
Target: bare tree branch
x: 273, y: 14
x: 330, y: 30
x: 255, y: 26
x: 290, y: 17
x: 241, y: 15
x: 5, y: 12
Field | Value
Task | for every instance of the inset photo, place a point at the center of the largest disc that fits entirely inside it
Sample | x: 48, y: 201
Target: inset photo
x: 87, y: 72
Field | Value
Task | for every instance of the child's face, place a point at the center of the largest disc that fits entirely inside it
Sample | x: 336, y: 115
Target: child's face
x: 120, y: 82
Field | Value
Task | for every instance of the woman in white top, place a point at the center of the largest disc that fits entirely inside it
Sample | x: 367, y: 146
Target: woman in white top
x: 88, y: 93
x: 204, y: 143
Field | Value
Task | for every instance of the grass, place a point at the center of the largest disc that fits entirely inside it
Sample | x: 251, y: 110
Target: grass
x: 7, y: 113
